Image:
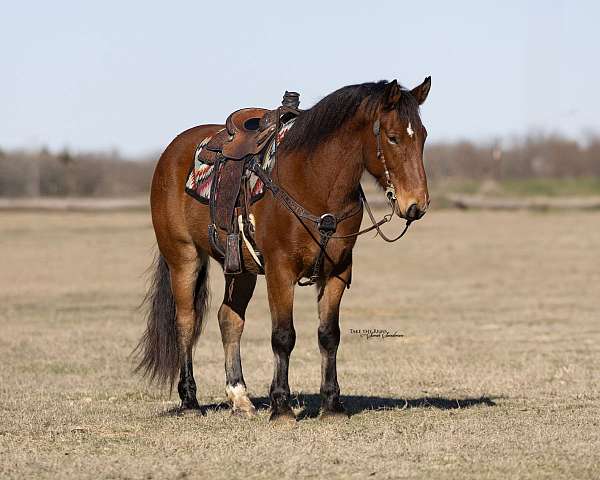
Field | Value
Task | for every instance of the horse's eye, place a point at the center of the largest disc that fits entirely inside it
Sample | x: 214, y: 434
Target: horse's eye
x: 392, y: 140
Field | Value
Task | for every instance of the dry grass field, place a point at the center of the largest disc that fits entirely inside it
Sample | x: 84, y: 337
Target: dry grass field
x: 497, y: 374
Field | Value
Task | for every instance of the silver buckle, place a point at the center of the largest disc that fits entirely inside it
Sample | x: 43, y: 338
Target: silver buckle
x: 327, y: 223
x: 390, y: 193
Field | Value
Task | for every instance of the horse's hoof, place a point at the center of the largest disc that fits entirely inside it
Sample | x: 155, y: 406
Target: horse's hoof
x: 337, y: 414
x: 283, y: 416
x: 189, y: 406
x: 244, y: 413
x: 189, y: 412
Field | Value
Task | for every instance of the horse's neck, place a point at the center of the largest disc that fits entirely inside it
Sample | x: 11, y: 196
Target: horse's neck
x: 327, y: 178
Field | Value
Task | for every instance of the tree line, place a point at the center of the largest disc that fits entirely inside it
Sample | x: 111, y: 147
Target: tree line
x: 45, y: 173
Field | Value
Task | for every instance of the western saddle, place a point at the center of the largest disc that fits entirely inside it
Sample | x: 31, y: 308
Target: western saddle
x: 247, y: 133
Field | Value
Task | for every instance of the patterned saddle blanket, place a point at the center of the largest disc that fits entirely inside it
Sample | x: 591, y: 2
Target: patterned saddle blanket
x: 200, y: 178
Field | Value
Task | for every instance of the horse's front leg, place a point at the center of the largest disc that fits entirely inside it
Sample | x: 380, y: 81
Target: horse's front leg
x: 280, y: 286
x: 238, y: 292
x: 330, y: 296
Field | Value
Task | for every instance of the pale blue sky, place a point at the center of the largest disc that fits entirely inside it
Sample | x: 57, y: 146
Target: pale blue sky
x: 131, y: 74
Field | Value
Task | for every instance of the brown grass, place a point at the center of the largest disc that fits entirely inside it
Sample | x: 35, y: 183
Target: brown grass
x: 496, y: 376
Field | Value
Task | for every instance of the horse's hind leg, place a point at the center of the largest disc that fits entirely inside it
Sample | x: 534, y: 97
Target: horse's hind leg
x: 238, y: 292
x: 186, y: 275
x: 330, y: 297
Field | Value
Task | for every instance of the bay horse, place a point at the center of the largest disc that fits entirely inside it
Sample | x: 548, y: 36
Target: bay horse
x: 373, y: 127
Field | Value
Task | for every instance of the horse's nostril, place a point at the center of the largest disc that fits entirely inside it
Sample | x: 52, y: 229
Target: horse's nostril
x: 413, y: 212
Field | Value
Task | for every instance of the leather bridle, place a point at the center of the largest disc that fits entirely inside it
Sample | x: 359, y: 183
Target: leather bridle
x: 327, y: 223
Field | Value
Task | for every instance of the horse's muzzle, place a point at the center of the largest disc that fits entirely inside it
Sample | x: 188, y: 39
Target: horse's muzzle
x: 413, y: 212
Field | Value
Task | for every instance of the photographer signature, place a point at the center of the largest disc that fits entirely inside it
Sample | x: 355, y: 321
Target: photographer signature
x: 375, y: 333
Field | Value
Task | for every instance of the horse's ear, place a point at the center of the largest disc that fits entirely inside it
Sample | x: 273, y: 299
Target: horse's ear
x: 422, y: 91
x: 391, y: 95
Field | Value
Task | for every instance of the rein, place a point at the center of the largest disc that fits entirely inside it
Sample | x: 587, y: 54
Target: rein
x: 327, y: 223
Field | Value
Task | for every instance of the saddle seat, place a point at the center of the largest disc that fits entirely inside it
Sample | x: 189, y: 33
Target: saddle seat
x: 246, y: 133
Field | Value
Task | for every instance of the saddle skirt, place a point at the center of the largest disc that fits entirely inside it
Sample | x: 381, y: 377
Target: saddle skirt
x: 200, y: 178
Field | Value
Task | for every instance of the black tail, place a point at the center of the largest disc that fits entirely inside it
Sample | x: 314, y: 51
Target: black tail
x: 158, y: 350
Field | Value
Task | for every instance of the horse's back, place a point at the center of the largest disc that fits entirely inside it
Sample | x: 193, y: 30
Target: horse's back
x: 179, y: 153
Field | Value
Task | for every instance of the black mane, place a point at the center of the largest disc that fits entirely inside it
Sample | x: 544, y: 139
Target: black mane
x: 317, y: 123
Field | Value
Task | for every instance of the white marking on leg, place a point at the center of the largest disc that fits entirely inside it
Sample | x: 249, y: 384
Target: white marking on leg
x: 238, y: 396
x: 235, y: 391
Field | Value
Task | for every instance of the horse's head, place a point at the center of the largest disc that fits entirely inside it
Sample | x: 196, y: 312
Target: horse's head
x: 400, y: 137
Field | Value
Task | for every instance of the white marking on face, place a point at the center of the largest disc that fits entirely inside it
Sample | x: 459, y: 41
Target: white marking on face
x: 409, y: 130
